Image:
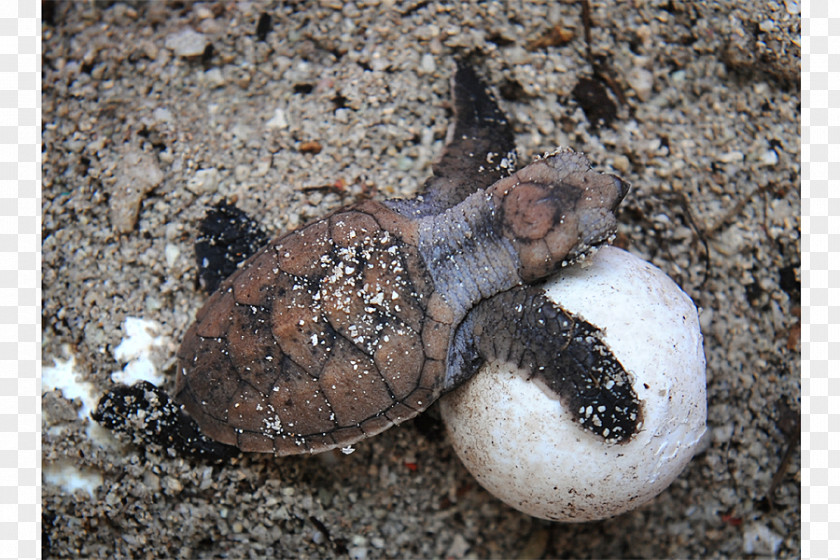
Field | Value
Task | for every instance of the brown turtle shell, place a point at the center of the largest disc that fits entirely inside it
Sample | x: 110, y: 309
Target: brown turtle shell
x: 319, y: 340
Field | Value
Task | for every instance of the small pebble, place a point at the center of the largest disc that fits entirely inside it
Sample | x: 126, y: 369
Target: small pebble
x: 171, y: 252
x: 202, y: 12
x: 342, y: 116
x: 770, y: 157
x: 204, y: 181
x: 458, y: 548
x: 214, y: 77
x: 139, y: 173
x: 358, y: 540
x: 172, y: 485
x: 57, y: 409
x: 162, y: 115
x: 767, y: 25
x: 621, y: 164
x: 427, y: 63
x: 731, y: 157
x: 379, y: 63
x: 186, y: 43
x: 405, y: 163
x: 278, y: 120
x: 641, y: 82
x: 358, y: 552
x: 760, y: 540
x: 793, y: 7
x: 241, y: 173
x: 149, y: 49
x: 263, y: 165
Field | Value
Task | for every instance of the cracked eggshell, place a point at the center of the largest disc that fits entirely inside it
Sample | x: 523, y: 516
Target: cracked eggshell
x: 526, y: 450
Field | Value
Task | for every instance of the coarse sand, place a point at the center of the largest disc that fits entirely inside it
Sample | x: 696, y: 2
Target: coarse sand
x: 154, y: 111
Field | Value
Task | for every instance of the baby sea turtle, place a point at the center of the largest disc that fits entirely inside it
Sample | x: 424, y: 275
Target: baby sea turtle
x: 362, y: 319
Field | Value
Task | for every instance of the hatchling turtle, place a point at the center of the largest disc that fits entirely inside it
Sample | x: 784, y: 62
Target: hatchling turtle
x: 362, y: 319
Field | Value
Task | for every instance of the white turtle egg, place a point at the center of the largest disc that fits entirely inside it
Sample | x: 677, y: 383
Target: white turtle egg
x: 526, y: 450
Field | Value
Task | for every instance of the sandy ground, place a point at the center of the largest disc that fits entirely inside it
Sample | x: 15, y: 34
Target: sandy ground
x: 140, y: 137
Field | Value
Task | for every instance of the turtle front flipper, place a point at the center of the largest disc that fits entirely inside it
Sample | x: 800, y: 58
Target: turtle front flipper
x: 479, y: 150
x: 563, y: 353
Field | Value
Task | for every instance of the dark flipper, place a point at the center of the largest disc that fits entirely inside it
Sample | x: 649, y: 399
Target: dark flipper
x: 564, y: 353
x: 479, y: 150
x: 147, y: 414
x: 227, y: 236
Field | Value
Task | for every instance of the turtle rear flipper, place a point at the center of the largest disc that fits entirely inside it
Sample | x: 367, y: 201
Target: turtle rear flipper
x: 227, y: 236
x: 147, y: 414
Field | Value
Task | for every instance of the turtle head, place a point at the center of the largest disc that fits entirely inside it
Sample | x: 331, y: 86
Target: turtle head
x: 557, y: 210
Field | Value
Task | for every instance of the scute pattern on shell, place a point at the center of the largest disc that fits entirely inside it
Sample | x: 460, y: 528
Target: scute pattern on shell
x: 323, y: 328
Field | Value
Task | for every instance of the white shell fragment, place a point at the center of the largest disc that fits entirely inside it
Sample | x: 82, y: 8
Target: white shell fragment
x: 524, y: 449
